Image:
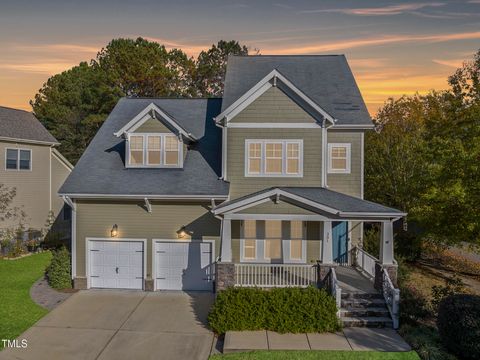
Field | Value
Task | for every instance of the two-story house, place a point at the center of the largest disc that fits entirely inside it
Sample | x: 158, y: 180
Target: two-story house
x: 260, y: 185
x: 32, y: 165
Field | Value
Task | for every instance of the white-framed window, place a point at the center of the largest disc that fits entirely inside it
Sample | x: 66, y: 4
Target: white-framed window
x: 18, y: 159
x: 273, y: 240
x: 297, y: 251
x: 268, y: 241
x: 249, y: 240
x: 154, y: 150
x: 273, y: 158
x: 339, y: 158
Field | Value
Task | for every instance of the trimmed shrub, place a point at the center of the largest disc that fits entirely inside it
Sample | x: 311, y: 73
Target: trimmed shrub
x: 282, y: 310
x: 459, y: 325
x: 426, y: 341
x: 58, y: 272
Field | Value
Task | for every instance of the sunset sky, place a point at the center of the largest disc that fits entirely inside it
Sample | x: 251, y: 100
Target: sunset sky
x: 394, y: 47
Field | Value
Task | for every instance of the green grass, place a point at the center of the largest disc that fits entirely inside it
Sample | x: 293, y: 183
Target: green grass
x: 318, y: 355
x: 17, y: 310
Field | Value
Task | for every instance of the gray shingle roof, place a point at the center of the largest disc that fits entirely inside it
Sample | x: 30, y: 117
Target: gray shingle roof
x: 101, y: 169
x: 326, y: 79
x: 335, y: 200
x: 20, y: 124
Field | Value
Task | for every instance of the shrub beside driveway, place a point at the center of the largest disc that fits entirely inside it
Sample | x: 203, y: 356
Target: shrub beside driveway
x: 17, y: 310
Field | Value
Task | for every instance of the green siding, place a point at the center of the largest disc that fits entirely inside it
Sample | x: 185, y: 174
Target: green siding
x: 273, y: 106
x: 281, y: 208
x: 312, y: 159
x: 95, y: 219
x: 347, y: 183
x: 153, y: 126
x: 34, y: 193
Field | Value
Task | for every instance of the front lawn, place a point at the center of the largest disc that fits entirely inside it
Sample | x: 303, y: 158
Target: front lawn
x: 17, y: 310
x: 318, y: 355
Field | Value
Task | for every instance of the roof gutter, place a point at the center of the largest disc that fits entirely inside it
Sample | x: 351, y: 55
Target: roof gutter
x: 28, y: 141
x: 143, y: 196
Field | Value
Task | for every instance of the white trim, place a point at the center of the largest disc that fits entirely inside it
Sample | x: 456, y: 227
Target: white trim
x: 73, y: 230
x: 27, y: 141
x: 245, y: 125
x: 362, y: 164
x: 286, y: 217
x: 143, y: 196
x: 112, y: 239
x: 263, y: 157
x: 324, y: 162
x: 353, y: 127
x: 257, y: 258
x: 50, y: 180
x: 145, y: 164
x: 348, y: 150
x: 224, y: 153
x: 18, y: 159
x: 154, y: 267
x: 144, y: 116
x: 62, y: 159
x: 260, y: 88
x: 339, y: 215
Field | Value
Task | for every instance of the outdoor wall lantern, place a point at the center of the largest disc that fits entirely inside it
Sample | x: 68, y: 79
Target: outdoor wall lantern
x: 182, y: 232
x: 114, y: 231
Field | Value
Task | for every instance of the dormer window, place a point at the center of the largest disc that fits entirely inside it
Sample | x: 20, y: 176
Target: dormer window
x: 154, y: 150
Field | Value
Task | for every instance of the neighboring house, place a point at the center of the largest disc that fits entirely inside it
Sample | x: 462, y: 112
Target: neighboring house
x: 263, y: 183
x: 31, y: 164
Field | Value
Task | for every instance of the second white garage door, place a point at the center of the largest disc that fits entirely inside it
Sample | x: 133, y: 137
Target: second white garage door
x: 183, y: 265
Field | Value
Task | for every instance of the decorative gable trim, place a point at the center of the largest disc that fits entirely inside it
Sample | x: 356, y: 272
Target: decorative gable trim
x: 146, y: 114
x: 234, y: 206
x: 259, y: 89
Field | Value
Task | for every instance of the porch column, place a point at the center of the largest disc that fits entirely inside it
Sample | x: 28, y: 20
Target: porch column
x: 226, y: 254
x: 327, y: 246
x: 327, y: 255
x: 386, y: 243
x: 386, y: 262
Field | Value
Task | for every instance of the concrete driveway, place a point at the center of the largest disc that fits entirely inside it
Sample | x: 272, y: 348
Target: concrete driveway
x: 107, y: 324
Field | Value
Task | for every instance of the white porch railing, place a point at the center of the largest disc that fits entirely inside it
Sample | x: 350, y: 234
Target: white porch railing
x: 364, y: 261
x: 392, y: 298
x: 275, y: 275
x: 334, y: 288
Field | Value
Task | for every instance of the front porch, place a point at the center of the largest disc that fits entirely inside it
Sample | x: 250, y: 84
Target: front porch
x: 299, y: 237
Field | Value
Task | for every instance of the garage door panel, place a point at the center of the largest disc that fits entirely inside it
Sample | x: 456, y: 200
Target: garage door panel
x: 183, y: 266
x: 116, y: 264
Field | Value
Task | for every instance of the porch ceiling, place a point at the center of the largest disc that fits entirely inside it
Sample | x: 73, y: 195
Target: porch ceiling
x: 322, y: 201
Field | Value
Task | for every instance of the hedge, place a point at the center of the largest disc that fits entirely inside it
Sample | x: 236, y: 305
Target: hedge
x: 58, y: 272
x: 283, y: 310
x: 458, y: 323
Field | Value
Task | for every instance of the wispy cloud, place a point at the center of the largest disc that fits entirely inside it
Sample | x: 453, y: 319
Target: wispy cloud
x: 356, y: 43
x: 376, y: 11
x: 49, y: 68
x: 454, y: 63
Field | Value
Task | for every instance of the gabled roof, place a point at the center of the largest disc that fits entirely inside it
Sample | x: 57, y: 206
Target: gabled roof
x: 273, y: 79
x: 23, y: 126
x: 325, y: 79
x: 152, y: 111
x: 324, y: 200
x: 101, y: 171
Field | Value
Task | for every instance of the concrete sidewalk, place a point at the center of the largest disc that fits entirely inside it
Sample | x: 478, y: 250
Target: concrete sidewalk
x: 350, y: 339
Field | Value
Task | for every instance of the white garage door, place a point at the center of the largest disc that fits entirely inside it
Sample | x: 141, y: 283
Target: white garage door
x: 183, y: 266
x: 116, y: 264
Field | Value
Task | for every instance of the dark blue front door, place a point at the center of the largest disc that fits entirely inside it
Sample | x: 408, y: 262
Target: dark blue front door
x: 340, y: 239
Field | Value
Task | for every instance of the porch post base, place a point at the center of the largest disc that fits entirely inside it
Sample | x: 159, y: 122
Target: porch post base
x: 224, y: 276
x: 148, y: 285
x: 323, y: 270
x: 391, y: 269
x: 80, y: 283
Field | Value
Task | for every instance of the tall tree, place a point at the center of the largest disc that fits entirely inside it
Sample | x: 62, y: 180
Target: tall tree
x: 211, y: 67
x: 74, y: 104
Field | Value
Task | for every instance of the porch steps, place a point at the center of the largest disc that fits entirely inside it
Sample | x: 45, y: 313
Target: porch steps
x: 360, y: 309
